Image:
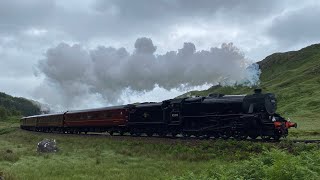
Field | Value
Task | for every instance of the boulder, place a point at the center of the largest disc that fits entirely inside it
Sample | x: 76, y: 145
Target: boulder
x: 47, y: 146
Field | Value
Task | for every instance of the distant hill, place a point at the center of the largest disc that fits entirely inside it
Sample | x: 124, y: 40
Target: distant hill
x: 16, y: 106
x: 295, y: 79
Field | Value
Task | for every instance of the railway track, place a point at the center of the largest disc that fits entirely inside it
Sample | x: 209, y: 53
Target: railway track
x: 178, y: 137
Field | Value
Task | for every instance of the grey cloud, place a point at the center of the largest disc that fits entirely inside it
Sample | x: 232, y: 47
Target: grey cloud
x: 108, y: 72
x: 297, y: 26
x: 14, y: 63
x: 120, y: 18
x: 18, y: 15
x: 146, y: 9
x: 151, y: 16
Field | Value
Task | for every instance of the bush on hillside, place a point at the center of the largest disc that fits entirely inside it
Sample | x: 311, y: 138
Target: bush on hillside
x: 3, y: 113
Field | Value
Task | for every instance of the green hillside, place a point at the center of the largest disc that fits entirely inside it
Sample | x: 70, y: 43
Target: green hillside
x: 295, y: 79
x: 16, y: 106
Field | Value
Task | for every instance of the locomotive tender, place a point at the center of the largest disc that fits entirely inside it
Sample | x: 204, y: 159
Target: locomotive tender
x: 216, y: 115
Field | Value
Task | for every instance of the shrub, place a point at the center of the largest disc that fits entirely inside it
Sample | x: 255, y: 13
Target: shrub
x: 277, y: 164
x: 3, y: 113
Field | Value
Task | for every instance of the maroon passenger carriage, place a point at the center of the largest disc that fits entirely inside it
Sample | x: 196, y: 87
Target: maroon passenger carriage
x: 45, y: 122
x: 110, y: 119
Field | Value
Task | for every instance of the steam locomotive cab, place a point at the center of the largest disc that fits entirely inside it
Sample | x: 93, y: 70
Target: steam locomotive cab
x: 260, y: 103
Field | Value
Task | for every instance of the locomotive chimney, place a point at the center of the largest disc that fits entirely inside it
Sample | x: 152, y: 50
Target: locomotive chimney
x: 258, y: 91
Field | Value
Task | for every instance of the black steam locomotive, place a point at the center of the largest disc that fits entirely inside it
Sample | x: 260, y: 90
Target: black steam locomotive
x: 217, y: 115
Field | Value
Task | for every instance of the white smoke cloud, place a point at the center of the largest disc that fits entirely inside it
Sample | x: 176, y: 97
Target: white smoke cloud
x: 75, y: 76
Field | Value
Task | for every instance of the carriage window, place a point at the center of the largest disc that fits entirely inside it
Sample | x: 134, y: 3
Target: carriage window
x: 96, y: 115
x: 108, y: 115
x: 73, y: 117
x: 83, y: 116
x: 101, y: 115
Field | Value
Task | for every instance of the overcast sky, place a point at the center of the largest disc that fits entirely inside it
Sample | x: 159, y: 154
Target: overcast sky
x: 30, y: 28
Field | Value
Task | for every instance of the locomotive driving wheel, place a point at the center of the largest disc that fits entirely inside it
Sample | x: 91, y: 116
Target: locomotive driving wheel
x: 253, y: 136
x: 239, y: 135
x: 226, y: 134
x: 216, y: 135
x: 174, y: 134
x: 162, y: 134
x: 206, y: 136
x: 149, y: 134
x: 265, y: 138
x: 276, y: 137
x: 185, y: 134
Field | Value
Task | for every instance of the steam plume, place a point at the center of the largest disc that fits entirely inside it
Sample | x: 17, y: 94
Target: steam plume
x: 75, y: 76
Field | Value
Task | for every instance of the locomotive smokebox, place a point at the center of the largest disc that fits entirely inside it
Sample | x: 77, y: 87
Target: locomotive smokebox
x: 258, y: 91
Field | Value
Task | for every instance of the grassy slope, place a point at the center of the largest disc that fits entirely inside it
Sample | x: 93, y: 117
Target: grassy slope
x: 295, y: 79
x: 92, y: 157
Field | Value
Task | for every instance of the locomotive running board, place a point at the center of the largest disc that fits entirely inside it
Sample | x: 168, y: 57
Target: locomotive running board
x: 220, y: 115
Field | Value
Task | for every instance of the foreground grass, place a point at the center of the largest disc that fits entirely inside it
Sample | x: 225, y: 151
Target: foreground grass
x: 100, y: 157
